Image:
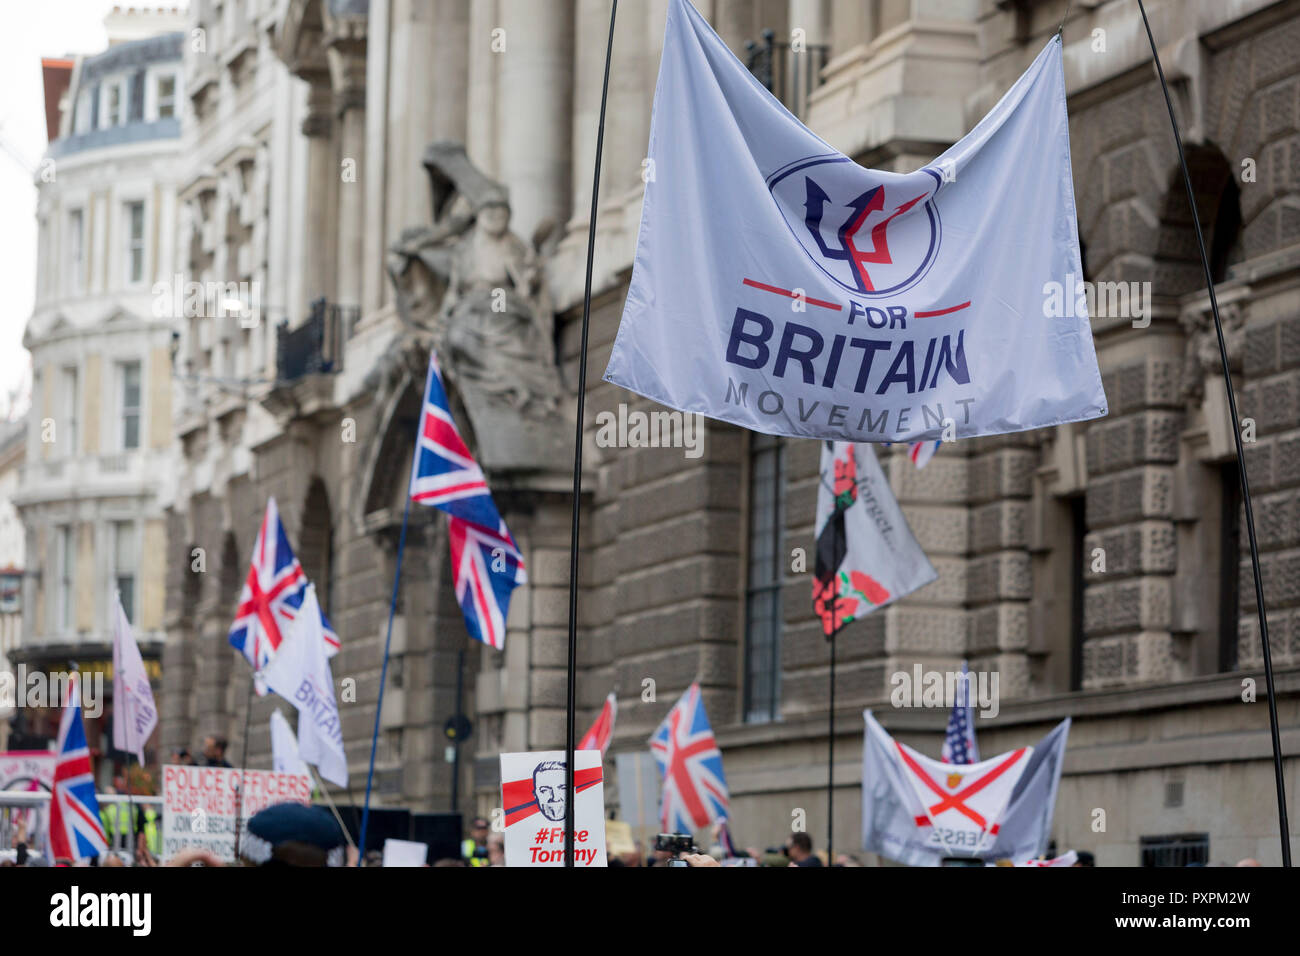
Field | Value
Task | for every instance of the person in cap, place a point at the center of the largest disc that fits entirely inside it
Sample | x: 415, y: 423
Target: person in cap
x: 292, y: 834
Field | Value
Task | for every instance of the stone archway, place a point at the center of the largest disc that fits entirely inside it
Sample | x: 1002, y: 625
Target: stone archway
x: 1178, y: 268
x: 316, y: 543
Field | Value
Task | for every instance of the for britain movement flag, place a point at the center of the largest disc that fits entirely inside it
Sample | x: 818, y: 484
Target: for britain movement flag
x: 272, y: 595
x: 76, y: 832
x: 486, y: 563
x: 782, y: 287
x: 694, y: 789
x: 866, y: 554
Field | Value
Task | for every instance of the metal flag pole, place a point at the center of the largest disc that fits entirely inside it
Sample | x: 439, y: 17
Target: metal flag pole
x: 243, y: 763
x: 570, y: 729
x: 383, y: 675
x: 830, y: 713
x: 1241, y: 455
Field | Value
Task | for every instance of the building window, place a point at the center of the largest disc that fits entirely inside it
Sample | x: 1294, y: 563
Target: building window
x: 71, y: 396
x: 765, y: 573
x: 135, y: 242
x: 166, y: 95
x: 135, y: 103
x: 66, y: 563
x: 76, y: 250
x: 1178, y: 849
x: 129, y: 378
x: 111, y: 113
x: 126, y: 558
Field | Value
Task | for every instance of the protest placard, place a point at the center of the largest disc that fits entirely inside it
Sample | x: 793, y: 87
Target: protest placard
x: 200, y: 804
x: 533, y: 790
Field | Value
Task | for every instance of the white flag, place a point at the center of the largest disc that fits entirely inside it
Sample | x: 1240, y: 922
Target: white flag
x: 782, y: 287
x: 1026, y: 828
x: 866, y: 554
x: 917, y: 810
x: 300, y: 673
x: 284, y: 746
x: 134, y: 713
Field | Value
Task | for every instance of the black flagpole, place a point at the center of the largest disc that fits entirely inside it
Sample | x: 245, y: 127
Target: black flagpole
x: 830, y: 714
x: 1241, y: 456
x: 570, y: 729
x: 243, y: 764
x: 830, y: 737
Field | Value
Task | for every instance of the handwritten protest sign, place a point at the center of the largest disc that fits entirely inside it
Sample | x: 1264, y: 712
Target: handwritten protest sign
x: 200, y: 804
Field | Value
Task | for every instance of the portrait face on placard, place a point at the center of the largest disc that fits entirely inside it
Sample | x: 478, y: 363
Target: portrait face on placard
x: 549, y: 789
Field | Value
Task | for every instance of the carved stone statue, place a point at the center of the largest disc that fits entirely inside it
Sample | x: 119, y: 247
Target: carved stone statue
x: 478, y: 288
x: 1201, y: 353
x: 478, y: 292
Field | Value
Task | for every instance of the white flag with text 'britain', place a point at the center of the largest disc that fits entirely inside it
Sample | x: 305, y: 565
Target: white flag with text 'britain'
x: 780, y: 286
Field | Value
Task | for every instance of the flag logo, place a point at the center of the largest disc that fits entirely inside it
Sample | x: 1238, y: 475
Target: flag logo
x: 873, y: 238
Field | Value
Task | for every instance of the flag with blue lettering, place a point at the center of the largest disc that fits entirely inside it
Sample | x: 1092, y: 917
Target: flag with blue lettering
x: 780, y: 286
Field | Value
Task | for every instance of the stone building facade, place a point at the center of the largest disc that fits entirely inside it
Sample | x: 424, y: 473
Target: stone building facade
x: 99, y: 457
x: 310, y: 174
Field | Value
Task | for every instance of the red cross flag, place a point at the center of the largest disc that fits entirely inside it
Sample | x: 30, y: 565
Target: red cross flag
x: 918, y: 810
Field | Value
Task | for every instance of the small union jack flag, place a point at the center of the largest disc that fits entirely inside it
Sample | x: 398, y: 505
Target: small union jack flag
x: 486, y: 563
x: 694, y: 788
x: 959, y: 742
x: 921, y: 452
x: 273, y: 593
x: 76, y: 832
x: 601, y: 733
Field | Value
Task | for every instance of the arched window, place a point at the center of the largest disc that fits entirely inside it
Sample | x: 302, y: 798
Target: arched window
x: 316, y: 543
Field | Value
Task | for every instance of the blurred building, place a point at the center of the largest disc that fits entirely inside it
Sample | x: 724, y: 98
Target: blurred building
x: 99, y: 457
x: 13, y: 445
x: 309, y: 180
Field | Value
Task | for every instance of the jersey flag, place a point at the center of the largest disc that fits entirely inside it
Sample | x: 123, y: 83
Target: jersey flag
x: 779, y: 286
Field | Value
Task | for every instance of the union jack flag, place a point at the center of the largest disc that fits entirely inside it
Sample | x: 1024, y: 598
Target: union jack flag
x: 959, y: 741
x: 921, y: 452
x: 694, y: 789
x: 601, y: 733
x: 75, y: 829
x: 486, y: 563
x: 272, y: 595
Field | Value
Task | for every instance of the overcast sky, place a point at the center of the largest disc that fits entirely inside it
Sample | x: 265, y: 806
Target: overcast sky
x: 31, y: 30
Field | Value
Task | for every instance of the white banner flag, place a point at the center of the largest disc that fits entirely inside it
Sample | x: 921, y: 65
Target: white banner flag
x: 284, y: 747
x: 134, y: 713
x: 300, y: 673
x: 867, y: 556
x: 780, y: 286
x: 918, y: 810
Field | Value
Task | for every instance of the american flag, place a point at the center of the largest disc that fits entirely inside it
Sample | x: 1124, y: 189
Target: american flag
x: 486, y: 563
x: 959, y: 741
x: 75, y: 828
x: 602, y: 731
x: 694, y: 789
x: 272, y: 595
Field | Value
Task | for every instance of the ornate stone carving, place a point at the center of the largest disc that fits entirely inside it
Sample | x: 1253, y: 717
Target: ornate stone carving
x: 479, y: 292
x: 1201, y: 354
